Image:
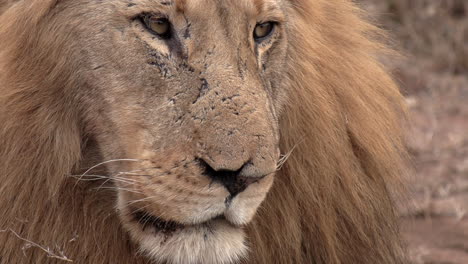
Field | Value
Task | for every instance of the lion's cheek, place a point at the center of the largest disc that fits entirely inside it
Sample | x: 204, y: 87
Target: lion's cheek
x: 244, y: 206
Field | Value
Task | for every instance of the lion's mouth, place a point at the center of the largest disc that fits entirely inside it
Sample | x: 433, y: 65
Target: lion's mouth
x: 145, y: 219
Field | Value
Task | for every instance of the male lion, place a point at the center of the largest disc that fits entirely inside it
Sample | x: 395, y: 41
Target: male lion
x: 151, y: 131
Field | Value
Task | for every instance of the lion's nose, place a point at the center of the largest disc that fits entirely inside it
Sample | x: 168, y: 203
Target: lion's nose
x: 235, y: 181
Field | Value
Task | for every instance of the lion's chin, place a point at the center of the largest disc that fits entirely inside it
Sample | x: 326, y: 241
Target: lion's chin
x: 214, y: 241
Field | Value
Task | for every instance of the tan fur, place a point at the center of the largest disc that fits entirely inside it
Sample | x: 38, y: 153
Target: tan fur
x: 339, y: 119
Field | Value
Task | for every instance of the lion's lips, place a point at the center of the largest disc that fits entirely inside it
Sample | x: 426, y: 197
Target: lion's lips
x: 146, y: 219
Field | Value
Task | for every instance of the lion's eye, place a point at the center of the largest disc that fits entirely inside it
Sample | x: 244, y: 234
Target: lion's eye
x: 263, y: 30
x: 157, y: 25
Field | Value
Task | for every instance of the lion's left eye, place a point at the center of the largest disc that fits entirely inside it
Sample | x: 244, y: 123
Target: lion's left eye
x: 263, y: 30
x: 157, y: 25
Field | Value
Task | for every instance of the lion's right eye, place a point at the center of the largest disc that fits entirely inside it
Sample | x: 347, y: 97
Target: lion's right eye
x: 263, y: 30
x: 157, y: 25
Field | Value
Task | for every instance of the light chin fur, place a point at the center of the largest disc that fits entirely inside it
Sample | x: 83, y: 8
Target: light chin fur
x: 243, y: 208
x: 217, y: 242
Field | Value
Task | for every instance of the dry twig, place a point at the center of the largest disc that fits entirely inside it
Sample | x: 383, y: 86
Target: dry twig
x: 50, y: 253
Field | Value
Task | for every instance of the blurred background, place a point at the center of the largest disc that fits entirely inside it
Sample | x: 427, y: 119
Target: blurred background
x: 433, y: 36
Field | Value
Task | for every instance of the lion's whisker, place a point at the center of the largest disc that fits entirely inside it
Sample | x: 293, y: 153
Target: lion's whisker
x: 146, y: 217
x: 286, y: 156
x: 135, y: 174
x: 118, y: 188
x: 140, y: 200
x: 102, y: 177
x: 139, y: 208
x: 132, y: 172
x: 109, y: 161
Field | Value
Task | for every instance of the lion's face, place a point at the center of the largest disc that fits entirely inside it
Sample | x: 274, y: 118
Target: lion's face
x: 189, y: 92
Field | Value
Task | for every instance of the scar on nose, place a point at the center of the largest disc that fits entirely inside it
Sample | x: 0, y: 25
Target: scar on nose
x: 187, y: 34
x: 203, y: 89
x: 258, y: 5
x: 180, y: 5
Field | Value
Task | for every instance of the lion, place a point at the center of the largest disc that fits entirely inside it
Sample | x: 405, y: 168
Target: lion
x: 201, y: 131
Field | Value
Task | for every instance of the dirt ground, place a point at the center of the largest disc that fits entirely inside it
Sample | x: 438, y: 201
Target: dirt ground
x: 433, y: 36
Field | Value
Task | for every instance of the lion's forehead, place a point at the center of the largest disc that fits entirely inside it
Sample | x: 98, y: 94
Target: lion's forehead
x: 248, y: 4
x: 253, y: 7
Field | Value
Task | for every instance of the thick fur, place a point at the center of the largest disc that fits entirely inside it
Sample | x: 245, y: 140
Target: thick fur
x: 331, y: 202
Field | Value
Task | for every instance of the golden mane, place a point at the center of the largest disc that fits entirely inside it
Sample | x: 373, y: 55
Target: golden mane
x: 331, y: 201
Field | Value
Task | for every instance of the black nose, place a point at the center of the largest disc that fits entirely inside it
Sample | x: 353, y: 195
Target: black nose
x: 232, y: 180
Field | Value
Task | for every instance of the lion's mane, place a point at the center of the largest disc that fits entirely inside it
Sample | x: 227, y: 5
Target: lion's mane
x: 331, y: 201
